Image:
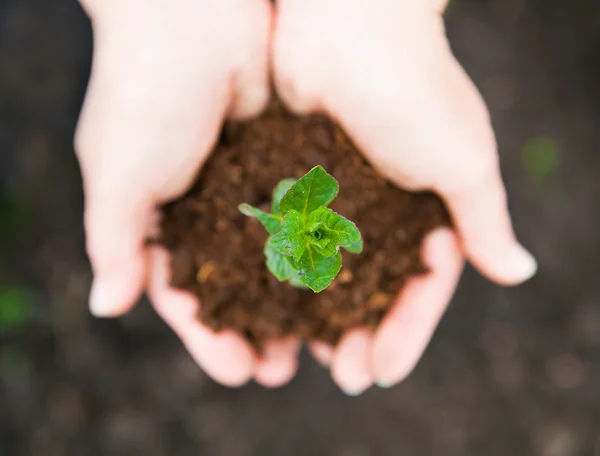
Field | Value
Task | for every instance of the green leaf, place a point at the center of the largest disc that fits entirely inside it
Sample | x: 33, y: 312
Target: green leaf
x: 357, y: 247
x: 328, y: 249
x: 340, y: 230
x: 278, y: 264
x: 290, y: 240
x: 319, y: 243
x: 313, y: 190
x: 320, y: 236
x: 272, y: 223
x: 297, y: 283
x: 282, y: 187
x: 305, y: 237
x: 317, y: 271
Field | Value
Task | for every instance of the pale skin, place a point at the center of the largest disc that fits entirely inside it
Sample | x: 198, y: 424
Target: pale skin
x: 165, y: 76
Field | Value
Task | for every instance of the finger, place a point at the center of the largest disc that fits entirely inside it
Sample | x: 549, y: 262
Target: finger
x: 116, y: 220
x: 127, y: 171
x: 293, y: 56
x: 226, y: 356
x: 251, y: 82
x: 279, y: 362
x: 480, y: 213
x: 406, y: 330
x: 350, y: 367
x: 469, y: 178
x: 322, y: 352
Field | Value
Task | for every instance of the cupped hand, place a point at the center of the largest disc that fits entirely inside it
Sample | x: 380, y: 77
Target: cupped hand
x: 164, y: 77
x: 384, y: 70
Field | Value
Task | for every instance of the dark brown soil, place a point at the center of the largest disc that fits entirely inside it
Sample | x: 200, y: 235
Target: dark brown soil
x: 509, y: 371
x: 218, y: 253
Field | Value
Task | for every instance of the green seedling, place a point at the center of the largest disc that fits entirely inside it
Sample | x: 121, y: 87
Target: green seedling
x: 305, y: 236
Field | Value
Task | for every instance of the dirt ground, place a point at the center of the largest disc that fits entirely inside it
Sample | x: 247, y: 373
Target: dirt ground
x: 509, y: 372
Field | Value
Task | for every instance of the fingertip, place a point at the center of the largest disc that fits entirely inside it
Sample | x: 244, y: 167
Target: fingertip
x: 293, y: 98
x: 102, y: 303
x: 117, y: 293
x: 507, y: 264
x: 249, y: 102
x: 516, y: 266
x: 351, y: 368
x: 226, y: 357
x: 481, y: 215
x: 278, y: 364
x: 322, y: 352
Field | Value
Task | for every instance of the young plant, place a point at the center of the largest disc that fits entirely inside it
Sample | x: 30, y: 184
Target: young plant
x: 305, y: 236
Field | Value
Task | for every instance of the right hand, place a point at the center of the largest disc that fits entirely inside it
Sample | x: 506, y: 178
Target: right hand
x: 165, y: 75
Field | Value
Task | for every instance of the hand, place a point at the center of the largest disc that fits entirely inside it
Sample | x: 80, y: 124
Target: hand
x: 384, y: 70
x: 164, y: 77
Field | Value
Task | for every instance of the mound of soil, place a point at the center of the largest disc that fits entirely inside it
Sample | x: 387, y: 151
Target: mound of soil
x: 217, y: 253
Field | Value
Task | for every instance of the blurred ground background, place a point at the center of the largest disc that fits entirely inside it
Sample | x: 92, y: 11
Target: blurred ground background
x: 509, y: 372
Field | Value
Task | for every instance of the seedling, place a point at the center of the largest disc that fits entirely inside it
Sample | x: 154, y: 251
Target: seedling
x: 305, y: 235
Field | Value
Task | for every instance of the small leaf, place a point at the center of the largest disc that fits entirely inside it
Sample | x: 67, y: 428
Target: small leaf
x: 297, y: 283
x: 340, y: 230
x: 281, y: 189
x: 320, y: 236
x: 313, y: 190
x: 319, y: 243
x: 328, y: 249
x: 272, y: 223
x: 317, y: 271
x: 357, y: 247
x: 290, y: 240
x: 278, y: 264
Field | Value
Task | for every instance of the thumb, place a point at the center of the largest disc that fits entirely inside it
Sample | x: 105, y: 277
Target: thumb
x: 480, y: 213
x: 471, y: 183
x: 116, y: 223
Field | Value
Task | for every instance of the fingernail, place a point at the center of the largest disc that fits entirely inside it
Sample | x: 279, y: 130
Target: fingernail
x: 522, y: 263
x: 385, y: 383
x: 101, y: 304
x: 353, y: 392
